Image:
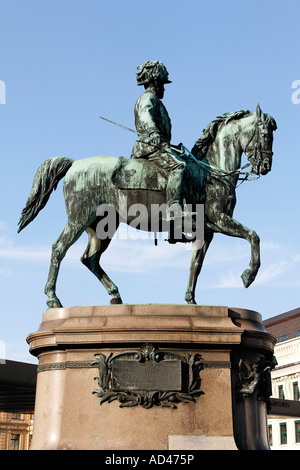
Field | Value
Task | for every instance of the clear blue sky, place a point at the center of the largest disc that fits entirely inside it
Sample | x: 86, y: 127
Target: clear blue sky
x: 64, y: 63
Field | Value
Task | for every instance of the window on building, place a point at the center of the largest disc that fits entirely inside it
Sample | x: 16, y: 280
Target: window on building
x: 16, y: 416
x: 297, y: 431
x: 270, y: 435
x: 280, y: 392
x: 283, y: 433
x: 15, y: 442
x: 298, y: 333
x: 283, y: 338
x: 296, y: 391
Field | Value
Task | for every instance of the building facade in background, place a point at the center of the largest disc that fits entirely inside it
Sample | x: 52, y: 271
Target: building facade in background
x: 15, y: 431
x: 284, y: 431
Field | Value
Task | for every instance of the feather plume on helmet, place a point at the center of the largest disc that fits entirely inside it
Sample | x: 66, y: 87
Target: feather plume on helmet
x: 150, y: 71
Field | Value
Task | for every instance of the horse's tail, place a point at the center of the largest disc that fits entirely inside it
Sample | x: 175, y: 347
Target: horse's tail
x: 45, y: 181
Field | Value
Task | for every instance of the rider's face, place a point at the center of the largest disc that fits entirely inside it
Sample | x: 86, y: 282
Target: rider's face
x: 160, y: 90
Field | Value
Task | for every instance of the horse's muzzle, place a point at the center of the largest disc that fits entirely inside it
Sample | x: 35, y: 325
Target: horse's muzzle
x: 266, y: 165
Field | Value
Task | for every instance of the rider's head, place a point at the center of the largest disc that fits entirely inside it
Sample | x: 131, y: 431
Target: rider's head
x: 153, y: 73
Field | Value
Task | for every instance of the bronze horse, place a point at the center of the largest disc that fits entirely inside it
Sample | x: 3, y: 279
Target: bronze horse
x: 89, y: 184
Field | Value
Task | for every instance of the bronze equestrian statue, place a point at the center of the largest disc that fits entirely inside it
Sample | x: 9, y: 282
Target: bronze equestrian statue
x: 156, y: 176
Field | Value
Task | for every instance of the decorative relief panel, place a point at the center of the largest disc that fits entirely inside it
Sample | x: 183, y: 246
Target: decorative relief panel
x: 148, y: 377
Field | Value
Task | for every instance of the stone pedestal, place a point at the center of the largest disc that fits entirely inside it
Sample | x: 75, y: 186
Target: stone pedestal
x: 209, y: 413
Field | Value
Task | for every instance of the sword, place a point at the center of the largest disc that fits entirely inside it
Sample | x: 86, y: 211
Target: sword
x: 182, y: 151
x: 185, y: 152
x: 116, y: 124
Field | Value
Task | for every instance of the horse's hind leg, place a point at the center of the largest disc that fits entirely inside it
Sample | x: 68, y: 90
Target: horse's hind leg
x: 70, y: 234
x: 91, y: 259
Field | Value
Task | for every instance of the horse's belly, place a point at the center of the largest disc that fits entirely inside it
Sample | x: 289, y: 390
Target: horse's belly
x: 141, y: 209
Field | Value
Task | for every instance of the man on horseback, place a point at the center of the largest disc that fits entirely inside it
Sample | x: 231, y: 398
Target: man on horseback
x: 153, y: 126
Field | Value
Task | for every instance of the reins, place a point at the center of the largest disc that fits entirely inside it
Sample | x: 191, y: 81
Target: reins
x: 214, y: 171
x: 217, y: 172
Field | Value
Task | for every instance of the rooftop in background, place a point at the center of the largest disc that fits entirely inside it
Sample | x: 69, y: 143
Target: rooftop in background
x: 285, y: 326
x: 17, y: 387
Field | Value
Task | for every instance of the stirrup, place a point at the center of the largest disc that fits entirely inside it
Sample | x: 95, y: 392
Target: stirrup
x: 182, y: 215
x: 184, y: 239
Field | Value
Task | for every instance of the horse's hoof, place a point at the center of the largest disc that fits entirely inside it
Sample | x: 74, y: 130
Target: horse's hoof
x: 54, y: 304
x: 248, y: 277
x: 116, y: 301
x: 190, y: 301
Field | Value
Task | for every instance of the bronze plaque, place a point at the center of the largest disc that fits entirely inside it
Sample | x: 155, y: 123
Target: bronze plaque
x: 148, y: 377
x: 162, y: 376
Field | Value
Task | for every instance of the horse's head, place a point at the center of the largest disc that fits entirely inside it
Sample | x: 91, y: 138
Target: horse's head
x: 257, y: 140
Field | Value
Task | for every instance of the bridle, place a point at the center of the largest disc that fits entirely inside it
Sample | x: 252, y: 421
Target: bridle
x: 257, y: 151
x: 217, y: 173
x: 255, y: 160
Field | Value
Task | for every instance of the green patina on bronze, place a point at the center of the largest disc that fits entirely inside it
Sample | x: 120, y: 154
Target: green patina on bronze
x: 158, y: 173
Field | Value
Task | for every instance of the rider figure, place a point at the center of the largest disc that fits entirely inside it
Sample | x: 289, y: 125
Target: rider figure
x: 153, y: 126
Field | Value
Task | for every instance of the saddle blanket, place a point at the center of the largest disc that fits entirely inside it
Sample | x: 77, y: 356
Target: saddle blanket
x: 131, y: 173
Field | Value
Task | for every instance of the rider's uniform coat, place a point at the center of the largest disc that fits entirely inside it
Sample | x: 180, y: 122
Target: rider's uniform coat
x: 153, y: 125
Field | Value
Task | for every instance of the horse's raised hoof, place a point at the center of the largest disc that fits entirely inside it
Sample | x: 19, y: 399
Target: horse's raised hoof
x: 248, y: 277
x: 116, y: 301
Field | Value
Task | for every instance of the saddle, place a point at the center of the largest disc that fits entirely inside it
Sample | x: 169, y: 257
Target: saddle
x: 131, y: 173
x: 139, y: 173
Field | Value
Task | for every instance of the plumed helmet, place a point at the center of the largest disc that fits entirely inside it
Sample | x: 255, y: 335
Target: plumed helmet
x: 150, y: 71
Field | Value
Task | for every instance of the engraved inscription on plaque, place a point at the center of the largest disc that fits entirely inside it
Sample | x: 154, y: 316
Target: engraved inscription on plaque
x: 130, y: 375
x: 148, y: 377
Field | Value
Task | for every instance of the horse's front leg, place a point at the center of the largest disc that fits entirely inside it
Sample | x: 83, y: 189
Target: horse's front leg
x: 196, y: 266
x: 228, y: 226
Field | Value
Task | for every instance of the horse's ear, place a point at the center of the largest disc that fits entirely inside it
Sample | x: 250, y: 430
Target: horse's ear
x: 258, y: 111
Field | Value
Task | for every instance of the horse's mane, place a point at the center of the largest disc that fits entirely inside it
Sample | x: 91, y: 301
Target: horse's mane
x: 209, y: 133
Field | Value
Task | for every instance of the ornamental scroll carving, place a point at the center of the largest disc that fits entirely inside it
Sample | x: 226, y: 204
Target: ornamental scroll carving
x: 148, y: 377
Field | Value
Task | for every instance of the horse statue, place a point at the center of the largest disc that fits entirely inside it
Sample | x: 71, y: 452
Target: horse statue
x: 215, y: 165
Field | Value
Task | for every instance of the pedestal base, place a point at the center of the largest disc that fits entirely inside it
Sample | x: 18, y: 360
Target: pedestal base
x: 208, y: 414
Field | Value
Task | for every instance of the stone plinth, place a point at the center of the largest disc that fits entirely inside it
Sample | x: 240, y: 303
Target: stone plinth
x: 68, y: 414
